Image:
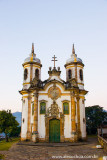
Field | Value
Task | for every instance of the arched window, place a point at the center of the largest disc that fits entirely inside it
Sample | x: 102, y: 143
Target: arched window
x: 25, y: 74
x: 81, y: 74
x: 69, y: 74
x: 37, y: 73
x: 42, y: 107
x: 66, y: 108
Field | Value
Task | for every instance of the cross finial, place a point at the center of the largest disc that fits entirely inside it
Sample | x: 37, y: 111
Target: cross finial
x: 54, y: 59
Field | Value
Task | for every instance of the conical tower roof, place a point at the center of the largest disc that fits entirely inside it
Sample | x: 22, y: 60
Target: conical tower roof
x: 74, y: 58
x: 32, y: 57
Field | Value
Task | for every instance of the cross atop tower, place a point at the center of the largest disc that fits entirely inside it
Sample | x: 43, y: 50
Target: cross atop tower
x: 54, y: 59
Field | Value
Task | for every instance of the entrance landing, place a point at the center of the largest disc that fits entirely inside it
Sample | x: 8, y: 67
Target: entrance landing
x: 61, y: 144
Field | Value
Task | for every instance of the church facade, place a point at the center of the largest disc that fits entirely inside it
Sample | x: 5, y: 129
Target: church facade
x: 53, y: 110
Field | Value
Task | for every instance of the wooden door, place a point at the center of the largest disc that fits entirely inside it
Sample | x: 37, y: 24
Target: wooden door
x: 54, y: 130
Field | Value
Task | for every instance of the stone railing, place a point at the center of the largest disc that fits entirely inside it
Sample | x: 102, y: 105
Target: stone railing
x: 103, y: 142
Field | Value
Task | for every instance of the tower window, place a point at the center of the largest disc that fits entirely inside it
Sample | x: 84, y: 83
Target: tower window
x: 69, y: 74
x: 37, y: 73
x: 42, y: 107
x: 81, y: 74
x: 66, y: 108
x: 25, y: 74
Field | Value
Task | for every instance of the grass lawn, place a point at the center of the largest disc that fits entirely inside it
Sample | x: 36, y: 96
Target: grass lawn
x: 4, y: 146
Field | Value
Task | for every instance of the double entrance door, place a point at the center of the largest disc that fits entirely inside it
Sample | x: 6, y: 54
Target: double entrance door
x: 54, y: 130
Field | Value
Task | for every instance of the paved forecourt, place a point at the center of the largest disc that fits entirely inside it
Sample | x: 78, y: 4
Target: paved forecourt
x: 84, y: 150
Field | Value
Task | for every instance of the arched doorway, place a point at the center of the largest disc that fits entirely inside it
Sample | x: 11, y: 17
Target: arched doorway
x: 54, y: 130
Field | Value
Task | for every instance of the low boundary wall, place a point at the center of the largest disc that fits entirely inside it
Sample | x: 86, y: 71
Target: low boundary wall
x: 103, y: 142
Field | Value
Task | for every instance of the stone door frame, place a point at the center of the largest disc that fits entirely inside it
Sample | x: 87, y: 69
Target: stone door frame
x: 47, y: 119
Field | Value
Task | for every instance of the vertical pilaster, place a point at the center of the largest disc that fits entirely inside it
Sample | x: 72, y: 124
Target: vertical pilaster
x: 73, y: 123
x: 35, y: 121
x: 61, y: 127
x: 76, y: 72
x: 31, y: 72
x: 29, y: 118
x: 84, y: 121
x: 47, y: 129
x: 78, y: 118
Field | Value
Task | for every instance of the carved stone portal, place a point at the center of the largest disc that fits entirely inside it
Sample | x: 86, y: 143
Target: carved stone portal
x: 53, y: 113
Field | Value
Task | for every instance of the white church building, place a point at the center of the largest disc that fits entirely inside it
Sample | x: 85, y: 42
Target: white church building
x: 53, y: 110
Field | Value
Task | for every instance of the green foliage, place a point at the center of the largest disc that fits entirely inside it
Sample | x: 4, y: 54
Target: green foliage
x: 4, y: 146
x: 8, y: 123
x: 15, y: 132
x: 95, y: 117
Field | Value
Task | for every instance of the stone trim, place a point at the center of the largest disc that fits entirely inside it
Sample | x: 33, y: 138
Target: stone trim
x: 73, y: 122
x: 31, y: 63
x: 29, y: 119
x: 78, y: 118
x: 34, y: 65
x: 73, y: 63
x: 47, y: 119
x: 31, y: 72
x: 41, y: 139
x: 35, y: 121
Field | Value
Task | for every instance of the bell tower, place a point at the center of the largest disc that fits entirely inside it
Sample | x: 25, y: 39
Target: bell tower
x: 32, y: 68
x: 74, y: 69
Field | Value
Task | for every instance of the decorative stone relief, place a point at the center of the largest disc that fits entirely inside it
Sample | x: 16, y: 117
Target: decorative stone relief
x: 54, y: 92
x: 34, y: 82
x: 74, y: 82
x: 53, y: 110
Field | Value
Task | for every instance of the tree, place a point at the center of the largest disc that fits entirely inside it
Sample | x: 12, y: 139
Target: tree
x: 8, y: 123
x: 95, y: 117
x: 15, y: 132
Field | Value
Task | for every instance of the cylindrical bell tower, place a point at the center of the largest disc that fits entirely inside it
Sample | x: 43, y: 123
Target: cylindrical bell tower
x: 32, y: 68
x: 74, y: 69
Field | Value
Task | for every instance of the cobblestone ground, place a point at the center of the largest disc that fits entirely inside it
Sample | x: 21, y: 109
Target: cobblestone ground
x: 25, y: 152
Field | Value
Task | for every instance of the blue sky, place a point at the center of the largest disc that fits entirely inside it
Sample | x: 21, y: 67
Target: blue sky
x: 53, y: 26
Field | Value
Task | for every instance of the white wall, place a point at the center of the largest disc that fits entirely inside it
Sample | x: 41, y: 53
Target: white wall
x: 25, y: 116
x: 41, y: 118
x: 82, y: 116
